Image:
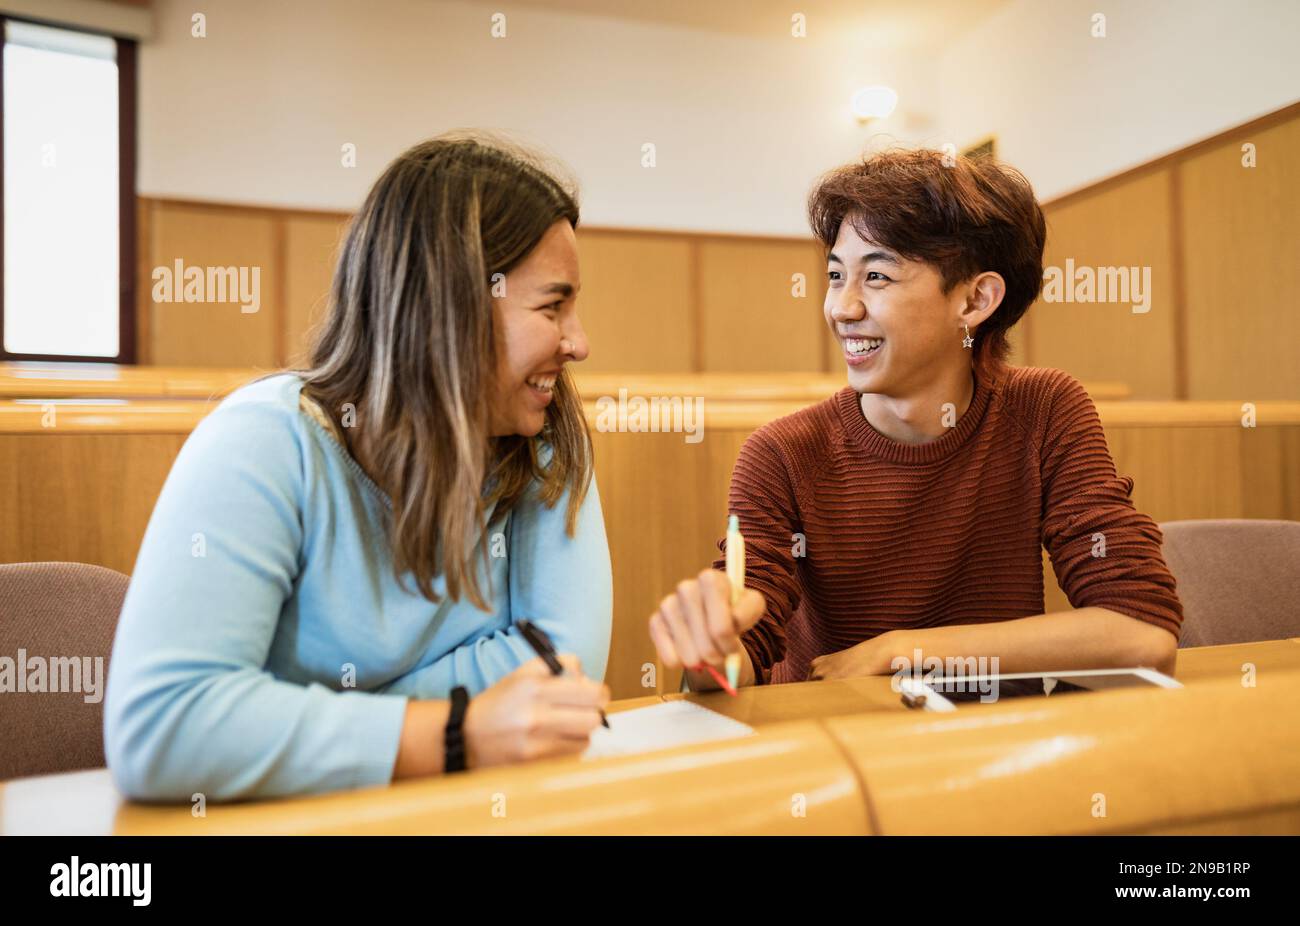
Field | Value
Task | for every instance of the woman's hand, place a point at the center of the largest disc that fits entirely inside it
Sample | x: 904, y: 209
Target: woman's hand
x: 532, y: 714
x: 870, y: 657
x: 697, y: 623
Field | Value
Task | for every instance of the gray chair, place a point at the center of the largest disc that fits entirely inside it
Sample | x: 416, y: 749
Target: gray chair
x: 55, y: 613
x: 1239, y: 581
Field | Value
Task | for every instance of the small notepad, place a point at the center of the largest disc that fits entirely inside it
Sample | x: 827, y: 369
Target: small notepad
x: 660, y: 726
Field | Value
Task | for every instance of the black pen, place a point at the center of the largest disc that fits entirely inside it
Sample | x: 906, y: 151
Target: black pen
x: 541, y: 643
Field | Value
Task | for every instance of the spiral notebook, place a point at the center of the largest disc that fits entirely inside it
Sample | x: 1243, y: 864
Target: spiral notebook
x: 662, y: 726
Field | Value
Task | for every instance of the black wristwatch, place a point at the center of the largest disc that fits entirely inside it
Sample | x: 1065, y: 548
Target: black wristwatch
x: 454, y: 741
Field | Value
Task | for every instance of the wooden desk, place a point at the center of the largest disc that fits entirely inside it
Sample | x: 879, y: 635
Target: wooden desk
x: 101, y: 419
x: 1200, y: 663
x: 766, y: 704
x: 40, y: 379
x: 874, y: 695
x: 742, y: 786
x: 800, y: 388
x: 1214, y: 757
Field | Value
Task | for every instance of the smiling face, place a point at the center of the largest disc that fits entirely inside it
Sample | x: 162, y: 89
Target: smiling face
x: 538, y: 332
x: 898, y: 330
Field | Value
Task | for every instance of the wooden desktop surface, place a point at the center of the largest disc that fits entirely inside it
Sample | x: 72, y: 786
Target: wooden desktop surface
x: 839, y: 757
x: 42, y: 380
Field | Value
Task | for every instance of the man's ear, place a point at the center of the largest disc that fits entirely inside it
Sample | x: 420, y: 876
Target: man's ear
x: 984, y: 293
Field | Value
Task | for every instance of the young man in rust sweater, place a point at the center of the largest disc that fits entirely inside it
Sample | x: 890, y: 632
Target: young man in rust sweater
x: 908, y: 511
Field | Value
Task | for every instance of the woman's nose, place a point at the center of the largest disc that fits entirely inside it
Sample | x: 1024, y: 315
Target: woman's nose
x: 577, y: 340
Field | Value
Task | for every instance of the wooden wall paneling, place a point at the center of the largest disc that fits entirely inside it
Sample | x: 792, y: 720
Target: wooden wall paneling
x: 83, y: 498
x: 637, y: 304
x: 311, y: 249
x: 1178, y: 279
x: 751, y: 320
x: 1240, y: 230
x: 280, y: 288
x: 1126, y: 225
x: 214, y: 334
x: 1181, y: 472
x: 1199, y: 470
x: 645, y: 543
x: 1270, y: 472
x: 681, y: 302
x: 144, y: 251
x: 659, y: 507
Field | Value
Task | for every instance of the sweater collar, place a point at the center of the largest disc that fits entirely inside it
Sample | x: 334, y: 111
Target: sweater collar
x: 860, y: 434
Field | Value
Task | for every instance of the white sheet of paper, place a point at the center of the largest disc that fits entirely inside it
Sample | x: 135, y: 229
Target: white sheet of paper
x: 660, y: 726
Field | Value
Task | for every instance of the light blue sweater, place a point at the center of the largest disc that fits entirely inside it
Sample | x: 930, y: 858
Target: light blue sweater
x: 265, y: 646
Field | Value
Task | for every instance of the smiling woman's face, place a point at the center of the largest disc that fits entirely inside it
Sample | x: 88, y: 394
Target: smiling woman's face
x: 896, y: 328
x: 538, y: 331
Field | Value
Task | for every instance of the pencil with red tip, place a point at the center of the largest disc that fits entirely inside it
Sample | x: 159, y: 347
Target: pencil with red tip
x: 719, y: 678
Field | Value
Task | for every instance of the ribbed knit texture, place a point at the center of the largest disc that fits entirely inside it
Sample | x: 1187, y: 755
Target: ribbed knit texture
x: 849, y: 534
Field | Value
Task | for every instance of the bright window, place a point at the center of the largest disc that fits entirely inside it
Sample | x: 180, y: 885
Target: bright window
x: 61, y: 193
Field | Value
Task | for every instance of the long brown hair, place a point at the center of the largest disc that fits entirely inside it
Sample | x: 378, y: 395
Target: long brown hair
x: 410, y: 342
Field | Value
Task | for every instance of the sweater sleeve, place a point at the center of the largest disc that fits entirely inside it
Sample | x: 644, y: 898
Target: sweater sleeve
x: 562, y: 584
x: 1105, y: 553
x: 762, y: 498
x: 190, y: 707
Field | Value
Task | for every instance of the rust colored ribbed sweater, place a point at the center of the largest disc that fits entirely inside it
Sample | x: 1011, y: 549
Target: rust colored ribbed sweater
x: 849, y: 534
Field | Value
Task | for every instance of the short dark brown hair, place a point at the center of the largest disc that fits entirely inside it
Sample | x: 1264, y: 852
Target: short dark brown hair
x: 963, y: 216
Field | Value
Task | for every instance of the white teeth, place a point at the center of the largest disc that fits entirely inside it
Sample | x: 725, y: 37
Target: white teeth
x: 543, y: 383
x: 862, y: 345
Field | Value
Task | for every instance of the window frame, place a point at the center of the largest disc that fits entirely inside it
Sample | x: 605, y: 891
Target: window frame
x: 127, y: 352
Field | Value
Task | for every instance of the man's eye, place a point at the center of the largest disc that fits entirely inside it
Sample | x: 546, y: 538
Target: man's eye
x: 875, y: 275
x: 833, y: 274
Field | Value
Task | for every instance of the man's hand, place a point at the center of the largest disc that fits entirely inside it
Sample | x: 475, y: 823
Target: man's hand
x: 697, y: 624
x: 870, y: 657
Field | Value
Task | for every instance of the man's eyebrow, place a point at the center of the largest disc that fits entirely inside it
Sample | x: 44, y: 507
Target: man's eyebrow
x: 886, y: 256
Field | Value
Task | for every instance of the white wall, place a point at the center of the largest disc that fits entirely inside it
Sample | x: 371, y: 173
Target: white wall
x: 1069, y: 109
x: 256, y: 112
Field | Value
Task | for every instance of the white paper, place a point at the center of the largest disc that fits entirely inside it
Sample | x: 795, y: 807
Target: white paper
x: 660, y: 726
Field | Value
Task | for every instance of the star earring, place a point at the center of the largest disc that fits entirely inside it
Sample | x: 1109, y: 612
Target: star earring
x: 967, y: 342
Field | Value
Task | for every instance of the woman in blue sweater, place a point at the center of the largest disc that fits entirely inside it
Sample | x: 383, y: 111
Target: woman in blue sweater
x: 338, y: 550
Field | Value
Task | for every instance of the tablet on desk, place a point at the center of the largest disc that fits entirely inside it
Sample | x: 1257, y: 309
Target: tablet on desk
x: 944, y: 693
